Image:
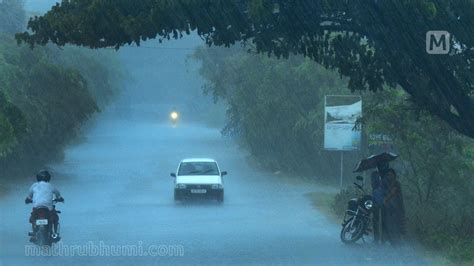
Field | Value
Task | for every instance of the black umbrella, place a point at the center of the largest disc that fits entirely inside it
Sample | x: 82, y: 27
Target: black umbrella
x: 375, y: 160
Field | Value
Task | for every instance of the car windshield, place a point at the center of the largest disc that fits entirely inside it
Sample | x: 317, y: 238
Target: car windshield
x: 198, y: 168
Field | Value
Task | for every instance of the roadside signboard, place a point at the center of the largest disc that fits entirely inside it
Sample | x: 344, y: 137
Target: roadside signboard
x: 341, y: 113
x: 379, y: 143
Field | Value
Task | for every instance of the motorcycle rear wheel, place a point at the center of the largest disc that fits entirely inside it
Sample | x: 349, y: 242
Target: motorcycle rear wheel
x: 42, y: 237
x: 350, y: 234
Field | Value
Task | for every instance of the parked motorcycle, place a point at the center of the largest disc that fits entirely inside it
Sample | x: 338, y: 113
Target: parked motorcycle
x: 43, y: 229
x: 358, y: 216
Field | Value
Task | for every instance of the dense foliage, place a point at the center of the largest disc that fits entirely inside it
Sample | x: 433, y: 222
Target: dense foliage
x: 374, y: 43
x: 45, y: 96
x: 436, y: 173
x: 12, y: 120
x: 276, y: 106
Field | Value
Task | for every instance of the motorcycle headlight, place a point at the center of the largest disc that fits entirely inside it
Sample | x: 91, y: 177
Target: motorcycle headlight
x: 217, y: 186
x: 368, y: 204
x: 174, y: 115
x: 182, y: 186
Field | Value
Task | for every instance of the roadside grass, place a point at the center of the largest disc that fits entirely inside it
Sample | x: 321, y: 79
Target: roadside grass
x: 327, y: 198
x: 434, y: 257
x: 326, y: 203
x: 323, y: 202
x: 323, y: 193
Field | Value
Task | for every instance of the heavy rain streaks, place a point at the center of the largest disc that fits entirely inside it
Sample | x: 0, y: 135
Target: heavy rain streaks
x: 240, y: 90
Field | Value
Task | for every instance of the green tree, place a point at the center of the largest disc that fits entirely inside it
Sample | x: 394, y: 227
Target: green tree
x: 12, y: 125
x: 46, y: 94
x: 437, y: 166
x: 374, y: 43
x: 274, y: 106
x: 45, y: 101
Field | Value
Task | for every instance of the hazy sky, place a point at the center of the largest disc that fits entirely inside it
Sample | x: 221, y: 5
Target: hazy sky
x: 39, y: 5
x: 155, y: 72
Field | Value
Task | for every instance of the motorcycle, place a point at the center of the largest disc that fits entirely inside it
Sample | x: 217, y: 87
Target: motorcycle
x: 44, y: 232
x: 357, y: 216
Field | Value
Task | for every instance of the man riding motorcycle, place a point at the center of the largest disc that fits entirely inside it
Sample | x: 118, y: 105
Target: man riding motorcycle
x: 42, y: 194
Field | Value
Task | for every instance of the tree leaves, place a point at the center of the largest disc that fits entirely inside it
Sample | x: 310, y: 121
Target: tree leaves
x: 437, y: 169
x: 274, y: 106
x: 46, y: 94
x: 12, y: 125
x: 375, y: 43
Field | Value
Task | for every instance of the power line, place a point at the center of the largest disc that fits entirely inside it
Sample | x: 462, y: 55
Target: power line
x: 170, y: 48
x: 164, y: 48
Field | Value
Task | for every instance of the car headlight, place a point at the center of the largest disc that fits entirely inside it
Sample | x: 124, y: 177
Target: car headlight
x: 181, y: 186
x: 368, y: 204
x: 217, y: 186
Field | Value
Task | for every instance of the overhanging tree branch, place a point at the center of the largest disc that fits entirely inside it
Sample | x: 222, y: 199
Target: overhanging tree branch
x: 371, y: 42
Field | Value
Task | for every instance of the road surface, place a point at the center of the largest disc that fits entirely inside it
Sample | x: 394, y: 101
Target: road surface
x: 119, y: 195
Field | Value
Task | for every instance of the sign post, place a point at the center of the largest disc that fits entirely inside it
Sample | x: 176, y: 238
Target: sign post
x: 340, y: 115
x: 342, y: 168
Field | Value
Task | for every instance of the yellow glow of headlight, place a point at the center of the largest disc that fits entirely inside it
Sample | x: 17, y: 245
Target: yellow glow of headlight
x: 174, y: 115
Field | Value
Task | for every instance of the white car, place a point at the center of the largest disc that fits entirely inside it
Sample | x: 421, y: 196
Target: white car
x: 198, y: 176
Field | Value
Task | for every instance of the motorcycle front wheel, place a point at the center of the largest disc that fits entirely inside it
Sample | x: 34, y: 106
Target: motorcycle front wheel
x: 351, y: 232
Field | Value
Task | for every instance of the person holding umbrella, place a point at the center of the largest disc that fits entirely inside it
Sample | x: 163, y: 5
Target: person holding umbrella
x: 394, y: 214
x: 386, y: 191
x: 378, y: 195
x: 379, y: 161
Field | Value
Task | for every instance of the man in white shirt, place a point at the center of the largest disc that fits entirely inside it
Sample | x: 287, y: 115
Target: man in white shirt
x: 42, y: 194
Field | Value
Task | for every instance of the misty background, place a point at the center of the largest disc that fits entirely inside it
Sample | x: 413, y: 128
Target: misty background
x: 160, y: 74
x: 274, y: 110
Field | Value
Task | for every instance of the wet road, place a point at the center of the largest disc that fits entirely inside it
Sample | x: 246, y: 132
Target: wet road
x: 119, y: 194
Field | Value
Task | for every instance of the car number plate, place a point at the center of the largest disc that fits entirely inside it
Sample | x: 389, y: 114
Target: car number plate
x: 42, y: 222
x: 201, y: 191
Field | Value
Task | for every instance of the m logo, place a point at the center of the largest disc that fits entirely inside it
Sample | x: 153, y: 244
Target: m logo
x: 437, y: 42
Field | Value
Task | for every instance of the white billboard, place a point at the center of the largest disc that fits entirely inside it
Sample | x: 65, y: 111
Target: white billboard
x: 341, y: 114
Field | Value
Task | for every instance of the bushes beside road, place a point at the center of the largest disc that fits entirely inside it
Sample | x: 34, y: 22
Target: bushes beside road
x: 275, y: 107
x: 46, y: 94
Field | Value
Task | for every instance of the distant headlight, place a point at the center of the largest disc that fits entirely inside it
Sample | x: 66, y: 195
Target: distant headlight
x: 217, y: 186
x: 174, y: 115
x: 180, y: 185
x: 368, y: 204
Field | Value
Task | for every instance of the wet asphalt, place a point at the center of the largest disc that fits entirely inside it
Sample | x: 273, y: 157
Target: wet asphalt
x: 119, y: 207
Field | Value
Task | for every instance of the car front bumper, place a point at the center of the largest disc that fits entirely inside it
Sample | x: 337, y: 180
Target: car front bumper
x: 198, y: 192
